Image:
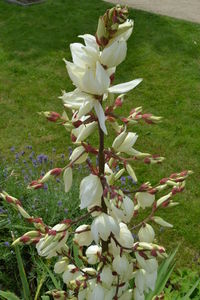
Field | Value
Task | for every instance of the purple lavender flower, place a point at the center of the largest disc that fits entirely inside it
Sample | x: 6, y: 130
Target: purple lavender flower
x: 45, y: 187
x: 60, y: 203
x: 7, y: 244
x: 12, y: 149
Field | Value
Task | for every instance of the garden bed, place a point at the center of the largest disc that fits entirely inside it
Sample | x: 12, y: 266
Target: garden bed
x: 25, y: 2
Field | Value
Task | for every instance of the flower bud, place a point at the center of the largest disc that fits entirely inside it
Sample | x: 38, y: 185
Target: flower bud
x: 67, y: 176
x: 161, y: 222
x: 131, y: 172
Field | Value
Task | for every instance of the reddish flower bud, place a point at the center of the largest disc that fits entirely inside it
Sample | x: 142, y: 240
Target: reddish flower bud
x: 118, y: 102
x: 56, y: 171
x: 24, y: 239
x: 53, y: 116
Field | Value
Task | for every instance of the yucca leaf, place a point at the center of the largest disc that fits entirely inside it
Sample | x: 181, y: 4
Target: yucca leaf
x: 164, y: 272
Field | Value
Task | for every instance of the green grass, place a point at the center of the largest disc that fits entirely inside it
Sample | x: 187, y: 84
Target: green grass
x: 164, y: 51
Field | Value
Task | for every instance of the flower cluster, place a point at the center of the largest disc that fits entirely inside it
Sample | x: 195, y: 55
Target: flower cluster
x: 110, y: 254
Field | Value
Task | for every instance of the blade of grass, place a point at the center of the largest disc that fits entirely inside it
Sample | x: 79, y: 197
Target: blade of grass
x: 42, y: 280
x: 55, y: 282
x: 8, y: 296
x: 189, y: 293
x: 25, y: 286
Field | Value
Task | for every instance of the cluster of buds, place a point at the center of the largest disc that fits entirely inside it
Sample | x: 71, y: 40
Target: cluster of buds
x: 112, y: 23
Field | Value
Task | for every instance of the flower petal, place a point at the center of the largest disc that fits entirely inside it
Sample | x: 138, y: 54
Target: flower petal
x: 124, y: 87
x: 101, y: 116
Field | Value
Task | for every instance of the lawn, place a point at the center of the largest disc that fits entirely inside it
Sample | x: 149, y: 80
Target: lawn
x: 163, y: 51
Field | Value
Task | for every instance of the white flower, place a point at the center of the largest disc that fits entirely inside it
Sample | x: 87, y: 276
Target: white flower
x: 124, y: 31
x: 124, y: 142
x: 140, y: 280
x: 125, y: 237
x: 61, y: 266
x: 150, y: 265
x: 97, y: 292
x: 138, y: 295
x: 102, y: 226
x: 123, y: 268
x: 84, y: 131
x: 91, y: 190
x: 83, y: 236
x: 114, y: 54
x: 50, y: 245
x: 109, y: 175
x: 79, y: 155
x: 124, y: 212
x: 71, y: 273
x: 93, y: 79
x: 128, y: 295
x: 145, y: 199
x: 146, y: 233
x: 106, y: 276
x: 93, y: 252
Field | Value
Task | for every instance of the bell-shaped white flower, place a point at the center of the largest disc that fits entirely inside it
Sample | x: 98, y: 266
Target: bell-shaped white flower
x: 83, y: 236
x: 91, y: 190
x: 128, y: 295
x: 123, y: 267
x: 79, y: 155
x: 71, y: 273
x: 146, y: 233
x: 109, y: 175
x: 125, y: 211
x: 84, y: 131
x: 61, y: 266
x: 138, y: 295
x: 93, y: 253
x: 125, y: 238
x: 102, y: 226
x: 150, y: 265
x: 98, y: 292
x: 145, y: 199
x: 124, y: 142
x: 106, y: 276
x: 92, y: 80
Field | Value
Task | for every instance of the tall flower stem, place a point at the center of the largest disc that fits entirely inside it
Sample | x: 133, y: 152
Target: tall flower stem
x: 101, y: 160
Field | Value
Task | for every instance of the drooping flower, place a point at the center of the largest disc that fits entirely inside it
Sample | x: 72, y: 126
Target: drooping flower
x: 102, y: 226
x: 83, y: 236
x: 91, y: 190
